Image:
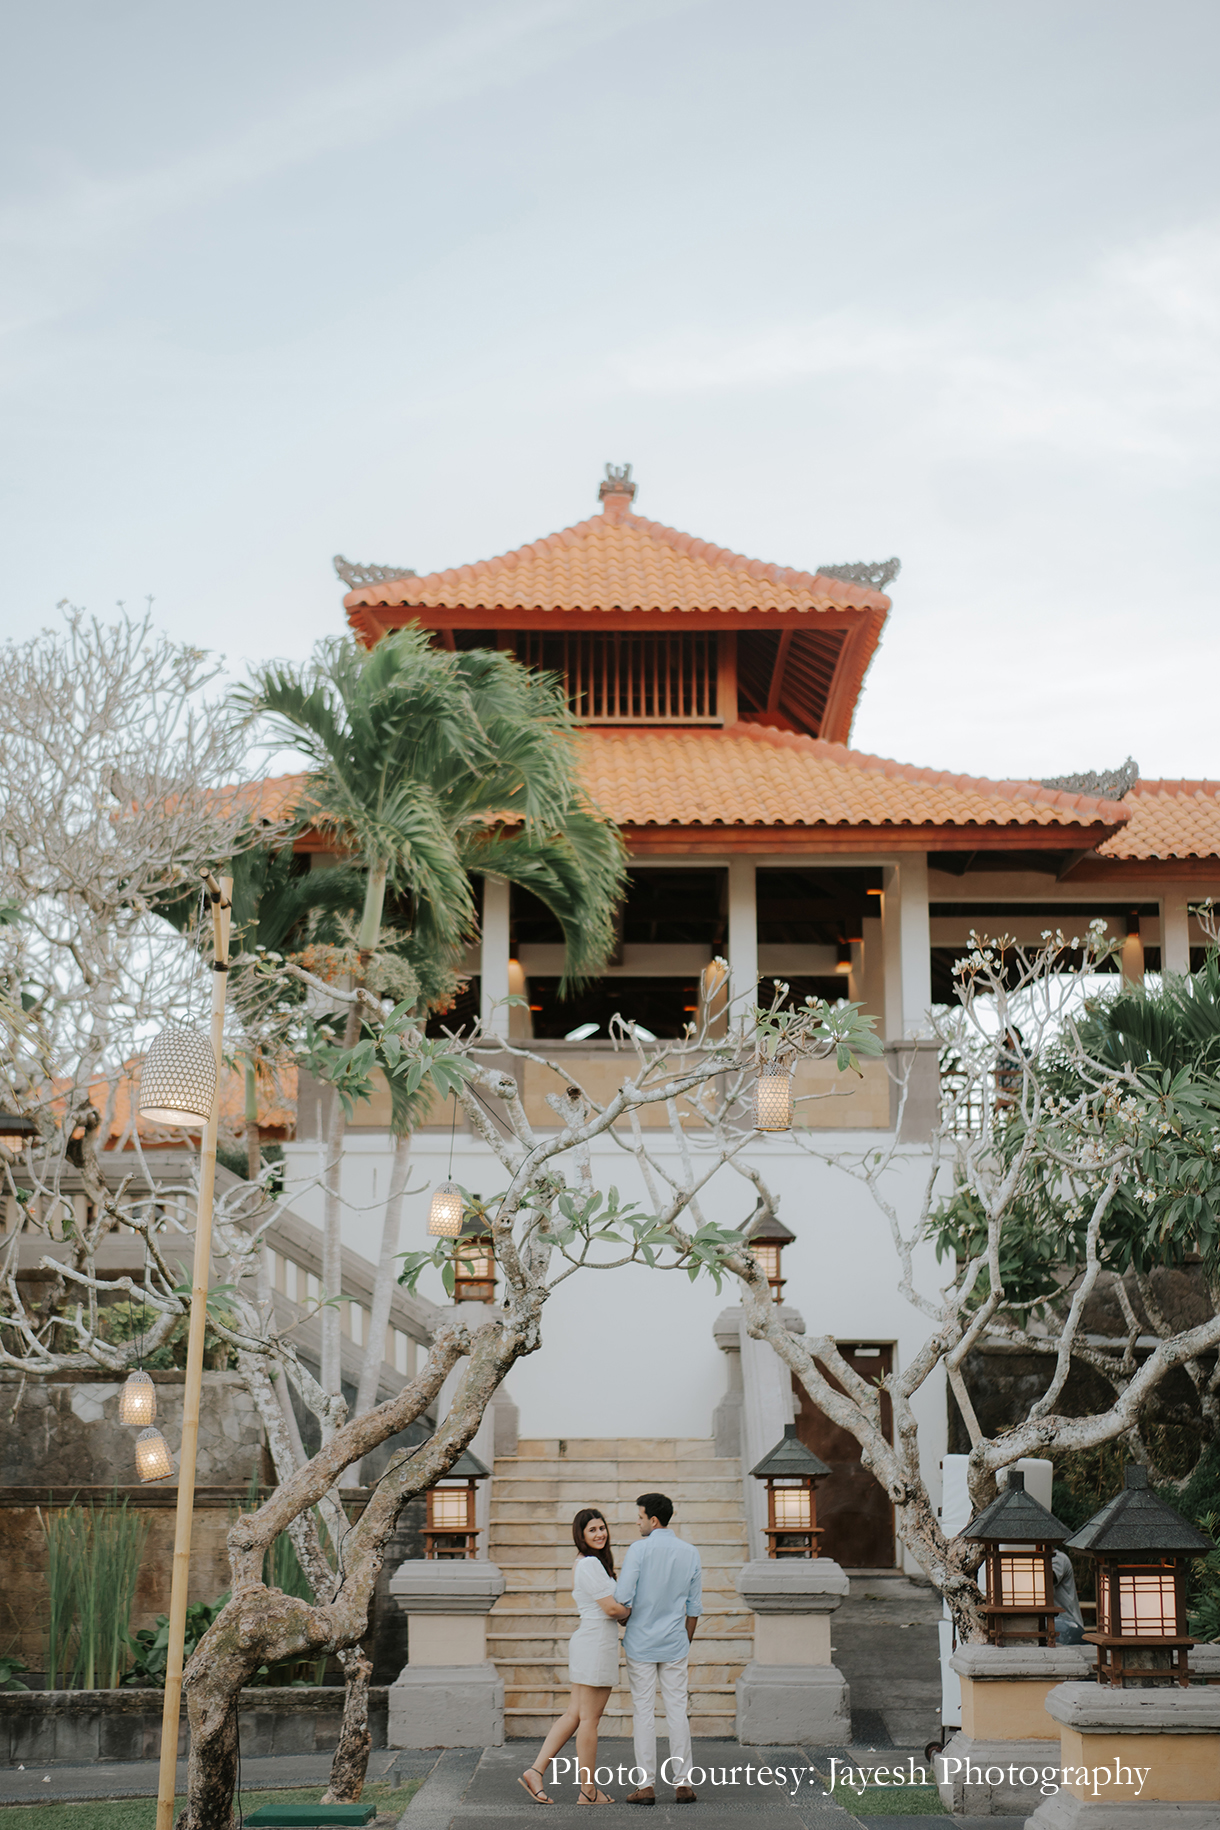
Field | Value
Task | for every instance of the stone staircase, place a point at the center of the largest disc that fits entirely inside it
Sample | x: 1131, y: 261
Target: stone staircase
x: 536, y: 1494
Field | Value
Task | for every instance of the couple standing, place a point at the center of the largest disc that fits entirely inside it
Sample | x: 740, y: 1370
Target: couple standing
x: 660, y: 1596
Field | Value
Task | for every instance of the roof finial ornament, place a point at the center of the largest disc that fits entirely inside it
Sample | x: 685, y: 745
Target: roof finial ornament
x: 617, y: 491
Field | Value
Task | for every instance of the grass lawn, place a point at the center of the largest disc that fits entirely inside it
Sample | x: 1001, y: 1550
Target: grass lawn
x: 141, y: 1813
x: 890, y: 1801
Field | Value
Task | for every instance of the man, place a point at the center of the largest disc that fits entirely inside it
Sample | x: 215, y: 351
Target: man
x: 662, y: 1583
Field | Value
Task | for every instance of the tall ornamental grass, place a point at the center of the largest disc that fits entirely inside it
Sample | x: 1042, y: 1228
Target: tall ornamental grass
x: 93, y: 1565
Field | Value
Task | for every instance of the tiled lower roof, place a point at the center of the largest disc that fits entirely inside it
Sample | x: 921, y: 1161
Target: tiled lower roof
x: 750, y: 775
x: 1169, y: 820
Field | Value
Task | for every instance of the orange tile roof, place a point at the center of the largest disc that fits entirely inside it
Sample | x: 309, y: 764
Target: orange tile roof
x: 751, y: 775
x: 618, y: 561
x: 1169, y: 820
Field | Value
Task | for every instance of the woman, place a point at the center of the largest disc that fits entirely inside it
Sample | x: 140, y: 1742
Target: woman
x: 592, y: 1658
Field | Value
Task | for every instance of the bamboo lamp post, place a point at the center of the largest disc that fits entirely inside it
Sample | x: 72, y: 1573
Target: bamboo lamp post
x: 177, y: 1088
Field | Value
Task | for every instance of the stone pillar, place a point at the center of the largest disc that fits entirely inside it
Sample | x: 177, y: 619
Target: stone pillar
x: 743, y: 936
x: 493, y: 961
x: 790, y: 1693
x: 1004, y: 1726
x: 1171, y: 1736
x: 449, y: 1694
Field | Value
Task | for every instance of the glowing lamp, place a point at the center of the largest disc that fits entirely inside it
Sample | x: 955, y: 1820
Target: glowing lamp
x: 1019, y: 1538
x: 153, y: 1461
x: 138, y: 1400
x: 791, y: 1472
x: 767, y: 1239
x: 843, y: 957
x: 178, y: 1079
x: 474, y: 1264
x: 16, y: 1131
x: 1141, y: 1549
x: 773, y: 1098
x: 450, y: 1531
x: 445, y: 1213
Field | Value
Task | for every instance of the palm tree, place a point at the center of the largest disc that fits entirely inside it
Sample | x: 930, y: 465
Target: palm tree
x: 426, y: 766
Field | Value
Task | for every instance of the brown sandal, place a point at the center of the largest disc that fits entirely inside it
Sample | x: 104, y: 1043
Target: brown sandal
x: 598, y: 1798
x: 539, y: 1798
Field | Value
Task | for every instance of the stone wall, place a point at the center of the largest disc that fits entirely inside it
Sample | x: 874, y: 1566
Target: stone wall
x: 87, y: 1725
x: 65, y: 1430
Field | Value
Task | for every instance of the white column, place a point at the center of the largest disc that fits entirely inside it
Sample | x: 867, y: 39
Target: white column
x: 1175, y: 932
x: 743, y: 935
x: 493, y: 959
x: 767, y: 1407
x: 891, y: 949
x: 916, y: 945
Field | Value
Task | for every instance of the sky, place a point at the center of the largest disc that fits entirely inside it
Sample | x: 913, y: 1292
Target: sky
x: 934, y: 278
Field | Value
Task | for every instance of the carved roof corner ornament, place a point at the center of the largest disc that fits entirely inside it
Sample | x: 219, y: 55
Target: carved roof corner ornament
x: 617, y: 483
x: 1102, y: 784
x: 354, y: 575
x: 877, y: 574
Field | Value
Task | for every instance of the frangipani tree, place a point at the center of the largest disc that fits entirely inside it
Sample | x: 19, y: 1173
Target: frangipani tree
x: 1054, y: 1160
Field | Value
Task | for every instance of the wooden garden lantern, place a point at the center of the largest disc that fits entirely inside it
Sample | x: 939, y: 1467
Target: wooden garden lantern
x: 451, y: 1530
x: 767, y: 1240
x: 474, y: 1263
x: 1141, y: 1550
x: 791, y: 1472
x: 1020, y: 1538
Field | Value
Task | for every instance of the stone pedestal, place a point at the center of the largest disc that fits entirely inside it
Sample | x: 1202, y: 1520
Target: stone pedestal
x: 1134, y: 1759
x: 790, y: 1691
x: 449, y: 1694
x: 1005, y: 1730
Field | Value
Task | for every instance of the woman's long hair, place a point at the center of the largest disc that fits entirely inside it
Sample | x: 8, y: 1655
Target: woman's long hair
x: 584, y: 1550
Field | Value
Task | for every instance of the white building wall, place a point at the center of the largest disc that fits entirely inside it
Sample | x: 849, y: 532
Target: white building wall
x: 630, y: 1352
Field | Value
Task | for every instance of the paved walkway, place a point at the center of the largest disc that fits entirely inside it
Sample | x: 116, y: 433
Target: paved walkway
x: 476, y: 1789
x: 885, y: 1643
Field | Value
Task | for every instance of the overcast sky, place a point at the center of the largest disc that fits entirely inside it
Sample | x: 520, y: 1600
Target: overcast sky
x: 840, y: 280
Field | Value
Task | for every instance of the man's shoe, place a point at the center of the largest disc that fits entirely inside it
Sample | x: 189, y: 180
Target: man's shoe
x: 643, y: 1795
x: 684, y: 1796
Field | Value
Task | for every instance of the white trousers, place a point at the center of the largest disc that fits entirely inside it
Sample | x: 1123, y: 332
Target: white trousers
x: 643, y: 1677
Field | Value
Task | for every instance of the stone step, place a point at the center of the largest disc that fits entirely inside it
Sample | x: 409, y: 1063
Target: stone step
x: 534, y: 1495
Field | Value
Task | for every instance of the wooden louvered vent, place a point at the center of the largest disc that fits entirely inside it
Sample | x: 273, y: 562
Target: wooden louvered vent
x: 616, y: 678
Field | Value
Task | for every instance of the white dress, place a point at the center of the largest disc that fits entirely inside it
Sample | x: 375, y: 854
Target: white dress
x: 593, y: 1648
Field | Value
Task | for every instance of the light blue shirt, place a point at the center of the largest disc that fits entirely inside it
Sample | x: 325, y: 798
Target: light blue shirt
x: 661, y: 1582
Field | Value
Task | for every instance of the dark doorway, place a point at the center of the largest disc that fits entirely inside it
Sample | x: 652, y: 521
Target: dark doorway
x: 853, y: 1510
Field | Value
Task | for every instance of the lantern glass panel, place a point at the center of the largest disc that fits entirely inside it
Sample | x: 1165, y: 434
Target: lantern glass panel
x: 1148, y: 1603
x: 450, y: 1508
x: 793, y: 1507
x: 768, y: 1260
x: 1023, y: 1580
x: 476, y: 1261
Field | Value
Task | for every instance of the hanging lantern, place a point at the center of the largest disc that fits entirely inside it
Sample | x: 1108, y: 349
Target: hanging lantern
x: 767, y: 1240
x: 1020, y: 1537
x: 474, y: 1264
x: 773, y: 1098
x: 153, y: 1460
x: 138, y: 1400
x: 445, y: 1213
x: 450, y: 1530
x: 178, y: 1079
x: 1142, y: 1551
x: 791, y: 1472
